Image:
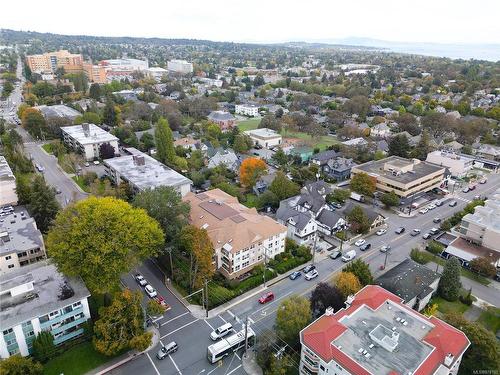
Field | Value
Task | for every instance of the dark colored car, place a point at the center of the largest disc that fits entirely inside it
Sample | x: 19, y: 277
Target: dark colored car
x: 335, y: 254
x: 309, y: 268
x: 400, y: 230
x: 365, y: 247
x: 437, y: 220
x: 294, y: 275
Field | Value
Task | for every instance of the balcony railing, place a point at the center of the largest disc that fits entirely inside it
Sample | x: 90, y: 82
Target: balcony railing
x: 61, y: 317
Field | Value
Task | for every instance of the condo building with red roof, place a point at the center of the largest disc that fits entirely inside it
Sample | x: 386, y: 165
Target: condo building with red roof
x: 376, y: 333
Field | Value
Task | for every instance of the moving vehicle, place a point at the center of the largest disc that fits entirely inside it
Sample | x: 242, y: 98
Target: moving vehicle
x: 229, y: 344
x: 336, y: 205
x: 365, y: 247
x: 465, y: 189
x: 427, y: 236
x: 385, y: 248
x: 434, y: 231
x: 335, y: 254
x: 452, y: 203
x: 58, y: 191
x: 483, y: 180
x: 423, y: 211
x: 350, y: 255
x: 96, y: 162
x: 167, y: 349
x: 415, y: 232
x: 150, y: 291
x: 400, y: 230
x: 436, y: 220
x: 294, y: 275
x: 268, y: 297
x: 357, y: 197
x: 87, y: 164
x: 311, y: 275
x: 381, y: 232
x: 222, y: 331
x: 431, y: 206
x: 39, y: 168
x: 438, y: 203
x: 309, y: 268
x: 140, y: 279
x: 477, y: 197
x: 360, y: 242
x: 472, y: 187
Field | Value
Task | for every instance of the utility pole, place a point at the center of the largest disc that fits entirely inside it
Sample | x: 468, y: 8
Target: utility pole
x: 385, y: 260
x: 246, y: 335
x: 169, y: 250
x: 314, y: 246
x: 206, y: 297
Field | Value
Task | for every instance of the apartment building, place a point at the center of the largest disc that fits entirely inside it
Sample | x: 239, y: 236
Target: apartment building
x: 458, y: 164
x: 50, y: 61
x: 142, y: 172
x: 250, y: 110
x: 225, y: 120
x: 87, y: 139
x: 39, y: 298
x: 8, y: 194
x: 376, y: 333
x: 265, y: 137
x: 241, y: 237
x: 21, y: 243
x: 95, y: 73
x: 403, y: 176
x: 157, y: 73
x: 180, y: 66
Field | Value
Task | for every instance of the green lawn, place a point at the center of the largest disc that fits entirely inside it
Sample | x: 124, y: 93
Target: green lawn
x: 79, y: 181
x: 251, y: 123
x: 75, y: 361
x: 446, y: 307
x: 465, y: 272
x: 251, y: 200
x: 48, y: 148
x: 490, y: 318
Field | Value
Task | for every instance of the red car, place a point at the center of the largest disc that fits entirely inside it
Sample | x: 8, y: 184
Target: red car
x: 268, y: 297
x: 162, y: 302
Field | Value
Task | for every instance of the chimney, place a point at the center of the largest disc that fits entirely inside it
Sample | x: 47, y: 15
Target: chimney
x: 86, y: 129
x: 448, y: 360
x: 138, y: 160
x: 349, y: 300
x: 329, y: 311
x: 4, y: 237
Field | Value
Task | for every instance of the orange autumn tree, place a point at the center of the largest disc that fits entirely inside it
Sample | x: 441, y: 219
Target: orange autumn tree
x: 251, y: 170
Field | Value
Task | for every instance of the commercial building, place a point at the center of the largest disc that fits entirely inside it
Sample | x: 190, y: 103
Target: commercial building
x: 95, y: 73
x: 58, y: 111
x: 240, y: 236
x: 21, y: 243
x: 87, y: 139
x: 8, y: 194
x: 142, y: 172
x: 156, y: 73
x: 180, y: 66
x: 405, y: 177
x: 265, y: 137
x: 225, y: 120
x: 376, y: 333
x: 246, y: 110
x: 50, y: 61
x: 124, y: 66
x: 39, y: 298
x: 458, y: 164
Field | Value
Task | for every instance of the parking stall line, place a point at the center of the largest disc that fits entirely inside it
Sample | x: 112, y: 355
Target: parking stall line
x: 237, y: 368
x: 154, y: 366
x: 178, y: 329
x: 175, y: 364
x: 224, y: 320
x: 209, y: 324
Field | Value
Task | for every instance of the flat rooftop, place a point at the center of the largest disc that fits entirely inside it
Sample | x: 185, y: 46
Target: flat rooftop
x: 148, y: 176
x: 58, y: 110
x: 399, y: 169
x: 50, y: 290
x: 5, y: 171
x: 463, y: 249
x: 21, y: 233
x: 94, y: 135
x: 263, y: 133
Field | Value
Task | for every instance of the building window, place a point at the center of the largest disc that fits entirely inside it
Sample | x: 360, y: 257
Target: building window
x: 10, y: 266
x: 8, y: 257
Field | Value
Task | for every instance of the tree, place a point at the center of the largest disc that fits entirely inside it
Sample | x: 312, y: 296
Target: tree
x: 154, y: 308
x: 197, y: 244
x: 358, y: 220
x: 164, y: 142
x: 269, y: 121
x: 283, y: 187
x: 165, y: 205
x: 280, y: 158
x: 293, y: 315
x: 449, y: 285
x: 242, y: 143
x: 43, y: 205
x: 347, y: 283
x: 101, y: 238
x: 358, y: 105
x: 423, y: 146
x: 110, y: 115
x: 251, y: 170
x: 18, y: 365
x: 95, y: 91
x: 390, y: 199
x: 399, y: 146
x: 323, y: 296
x: 362, y: 183
x: 121, y: 325
x: 43, y: 346
x: 361, y: 270
x: 483, y: 266
x: 34, y: 122
x: 338, y: 195
x: 484, y: 350
x: 106, y: 151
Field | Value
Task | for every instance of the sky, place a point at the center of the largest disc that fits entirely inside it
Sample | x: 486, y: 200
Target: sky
x: 439, y: 21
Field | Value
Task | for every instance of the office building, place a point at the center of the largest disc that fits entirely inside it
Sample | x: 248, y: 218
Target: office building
x: 50, y: 61
x: 87, y: 139
x: 458, y: 164
x: 265, y: 137
x: 180, y: 66
x: 8, y: 194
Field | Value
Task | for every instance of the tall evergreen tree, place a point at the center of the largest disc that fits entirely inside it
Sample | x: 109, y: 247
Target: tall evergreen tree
x: 423, y: 146
x: 43, y: 205
x: 449, y: 285
x: 95, y: 91
x: 399, y: 146
x: 164, y: 142
x: 110, y: 116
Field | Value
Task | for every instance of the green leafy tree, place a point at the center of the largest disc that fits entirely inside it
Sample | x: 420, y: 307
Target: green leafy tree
x: 358, y: 220
x: 423, y: 146
x: 362, y: 183
x: 18, y: 365
x: 293, y: 315
x: 95, y: 91
x: 283, y: 187
x: 165, y: 149
x: 280, y: 158
x: 399, y: 146
x: 155, y: 308
x: 390, y: 199
x: 43, y: 346
x: 34, y: 122
x: 338, y: 195
x: 483, y: 266
x: 111, y: 116
x: 361, y: 270
x: 101, y: 238
x: 268, y: 198
x: 43, y: 205
x: 449, y: 285
x: 434, y: 247
x: 242, y: 143
x: 121, y: 325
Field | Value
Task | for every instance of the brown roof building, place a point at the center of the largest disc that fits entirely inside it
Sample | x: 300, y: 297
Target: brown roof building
x: 241, y: 237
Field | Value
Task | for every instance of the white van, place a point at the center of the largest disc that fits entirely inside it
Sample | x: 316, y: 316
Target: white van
x: 222, y: 331
x: 350, y: 255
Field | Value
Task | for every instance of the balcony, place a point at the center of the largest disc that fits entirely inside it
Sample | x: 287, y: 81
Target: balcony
x: 68, y: 336
x: 60, y: 318
x: 68, y: 325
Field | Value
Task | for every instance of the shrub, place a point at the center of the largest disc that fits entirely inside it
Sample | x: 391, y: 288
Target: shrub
x: 435, y: 247
x: 467, y: 299
x: 420, y: 256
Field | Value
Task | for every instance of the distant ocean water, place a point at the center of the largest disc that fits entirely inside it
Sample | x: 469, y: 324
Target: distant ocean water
x: 478, y: 52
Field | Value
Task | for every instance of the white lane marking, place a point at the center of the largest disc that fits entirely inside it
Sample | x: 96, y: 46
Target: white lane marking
x: 234, y: 316
x: 154, y: 366
x: 229, y: 373
x: 178, y: 329
x: 224, y: 320
x: 216, y: 368
x: 236, y: 354
x: 160, y: 318
x: 171, y: 320
x: 177, y: 368
x: 209, y: 324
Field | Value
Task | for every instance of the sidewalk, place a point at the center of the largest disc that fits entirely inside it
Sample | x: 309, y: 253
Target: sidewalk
x: 250, y: 365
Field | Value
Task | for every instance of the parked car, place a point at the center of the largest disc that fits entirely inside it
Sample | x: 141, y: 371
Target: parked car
x: 438, y: 203
x: 166, y: 350
x: 431, y: 206
x: 350, y: 255
x: 294, y: 275
x: 150, y: 291
x: 268, y: 297
x: 336, y: 205
x: 423, y: 211
x: 336, y: 254
x: 385, y: 248
x: 96, y: 162
x: 309, y: 268
x: 472, y: 187
x: 400, y: 230
x: 161, y: 301
x: 483, y: 180
x: 39, y: 168
x: 381, y: 232
x: 221, y: 331
x: 140, y: 279
x: 365, y: 247
x: 436, y: 220
x: 311, y: 275
x: 452, y: 203
x: 427, y: 236
x: 434, y: 231
x: 465, y: 189
x: 87, y: 164
x: 415, y: 232
x: 360, y: 242
x: 7, y: 209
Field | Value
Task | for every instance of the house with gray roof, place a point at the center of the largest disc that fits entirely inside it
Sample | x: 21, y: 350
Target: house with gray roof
x: 225, y: 157
x: 225, y: 120
x: 301, y: 226
x: 58, y: 111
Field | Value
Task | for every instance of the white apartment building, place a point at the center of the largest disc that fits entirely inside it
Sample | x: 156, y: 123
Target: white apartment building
x: 265, y: 137
x: 180, y: 66
x: 8, y: 194
x: 156, y: 73
x: 87, y: 138
x: 250, y: 110
x: 39, y: 298
x: 458, y: 165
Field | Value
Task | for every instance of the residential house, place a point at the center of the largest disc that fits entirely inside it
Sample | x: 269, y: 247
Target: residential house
x: 374, y: 218
x: 453, y: 146
x: 489, y: 152
x: 225, y: 120
x: 225, y: 157
x: 301, y: 226
x: 381, y: 130
x: 339, y: 168
x: 356, y: 142
x: 187, y: 143
x: 59, y: 111
x: 321, y: 158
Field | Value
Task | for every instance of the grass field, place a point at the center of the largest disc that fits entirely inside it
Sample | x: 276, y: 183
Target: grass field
x: 446, y: 307
x: 48, y: 148
x: 79, y: 181
x: 249, y: 124
x: 490, y: 318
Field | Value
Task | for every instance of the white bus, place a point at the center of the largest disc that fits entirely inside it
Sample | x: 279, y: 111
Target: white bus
x: 229, y: 344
